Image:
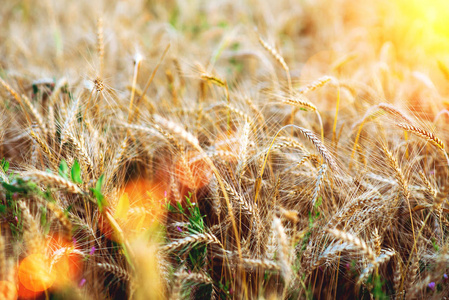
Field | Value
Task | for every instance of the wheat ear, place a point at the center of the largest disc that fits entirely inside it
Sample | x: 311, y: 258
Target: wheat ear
x: 43, y: 145
x: 53, y: 180
x: 430, y: 137
x: 278, y: 58
x: 355, y: 241
x: 393, y: 111
x: 192, y: 239
x: 315, y: 141
x: 31, y: 232
x: 315, y: 85
x: 120, y: 273
x: 300, y: 102
x: 284, y: 253
x: 16, y: 96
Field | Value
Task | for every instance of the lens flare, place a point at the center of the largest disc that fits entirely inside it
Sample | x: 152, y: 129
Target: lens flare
x: 141, y: 204
x: 34, y: 273
x: 8, y: 290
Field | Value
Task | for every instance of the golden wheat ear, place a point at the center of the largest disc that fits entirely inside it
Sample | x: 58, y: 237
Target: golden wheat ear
x: 427, y: 135
x: 275, y: 54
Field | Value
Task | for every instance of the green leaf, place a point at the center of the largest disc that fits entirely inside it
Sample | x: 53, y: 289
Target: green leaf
x: 5, y: 165
x: 180, y: 207
x: 99, y: 183
x: 43, y: 216
x: 435, y: 245
x: 76, y: 172
x: 101, y: 201
x: 68, y: 209
x: 378, y: 292
x: 63, y: 169
x: 12, y: 188
x: 318, y: 202
x: 170, y: 207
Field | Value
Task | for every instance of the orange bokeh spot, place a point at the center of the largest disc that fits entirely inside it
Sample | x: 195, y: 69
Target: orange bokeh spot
x: 25, y: 293
x: 59, y: 266
x: 106, y: 229
x: 193, y: 171
x: 7, y: 290
x: 34, y: 273
x: 67, y: 264
x: 140, y: 205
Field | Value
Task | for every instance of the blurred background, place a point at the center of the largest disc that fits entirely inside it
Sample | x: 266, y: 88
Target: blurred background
x: 360, y: 40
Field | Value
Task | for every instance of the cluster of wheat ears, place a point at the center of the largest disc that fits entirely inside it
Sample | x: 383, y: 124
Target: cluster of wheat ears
x: 151, y: 177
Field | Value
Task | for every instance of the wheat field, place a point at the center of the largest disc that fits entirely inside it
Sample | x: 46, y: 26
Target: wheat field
x: 290, y: 149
